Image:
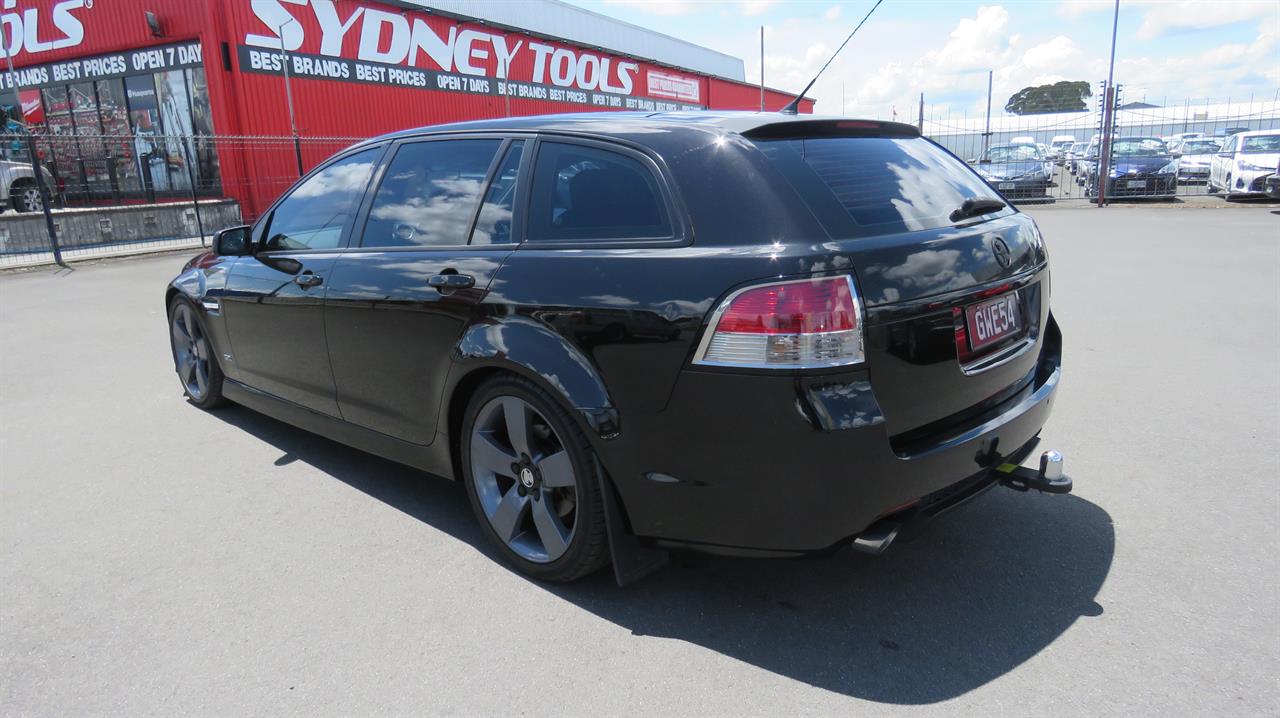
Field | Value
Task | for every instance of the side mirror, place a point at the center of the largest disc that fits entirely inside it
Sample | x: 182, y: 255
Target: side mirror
x: 972, y: 160
x: 232, y: 242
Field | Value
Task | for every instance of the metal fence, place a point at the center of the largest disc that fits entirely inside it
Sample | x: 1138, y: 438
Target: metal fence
x: 111, y: 194
x: 117, y: 194
x: 1190, y: 132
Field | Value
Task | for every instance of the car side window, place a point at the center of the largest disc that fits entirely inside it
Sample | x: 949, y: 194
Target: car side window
x: 314, y: 214
x: 1230, y: 146
x: 586, y: 193
x: 429, y: 194
x: 493, y: 224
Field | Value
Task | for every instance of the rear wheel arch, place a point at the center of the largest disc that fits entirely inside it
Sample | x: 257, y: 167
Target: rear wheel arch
x: 595, y: 422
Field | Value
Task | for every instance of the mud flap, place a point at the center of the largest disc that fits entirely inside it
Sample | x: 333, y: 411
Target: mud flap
x: 632, y: 560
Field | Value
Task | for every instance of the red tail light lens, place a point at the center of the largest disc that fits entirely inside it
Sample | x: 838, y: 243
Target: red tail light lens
x: 798, y: 324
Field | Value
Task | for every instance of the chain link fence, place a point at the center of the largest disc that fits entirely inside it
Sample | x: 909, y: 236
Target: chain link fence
x: 110, y: 194
x: 1173, y: 152
x: 117, y: 194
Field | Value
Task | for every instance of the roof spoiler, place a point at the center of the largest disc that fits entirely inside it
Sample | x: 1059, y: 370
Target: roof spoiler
x: 800, y: 129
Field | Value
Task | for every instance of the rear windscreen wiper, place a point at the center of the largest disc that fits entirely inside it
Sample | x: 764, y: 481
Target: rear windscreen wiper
x: 975, y: 206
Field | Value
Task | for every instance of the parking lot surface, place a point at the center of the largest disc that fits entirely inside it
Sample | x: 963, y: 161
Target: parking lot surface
x: 160, y: 560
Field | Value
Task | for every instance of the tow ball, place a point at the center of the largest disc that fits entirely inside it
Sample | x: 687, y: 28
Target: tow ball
x: 1049, y: 479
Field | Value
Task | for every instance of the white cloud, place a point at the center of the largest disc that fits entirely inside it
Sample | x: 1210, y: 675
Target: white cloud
x: 1160, y: 17
x: 658, y: 7
x: 1197, y: 15
x: 751, y: 8
x: 832, y: 13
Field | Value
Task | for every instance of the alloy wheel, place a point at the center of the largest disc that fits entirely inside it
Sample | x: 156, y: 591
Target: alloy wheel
x: 524, y: 479
x: 190, y: 352
x: 30, y: 200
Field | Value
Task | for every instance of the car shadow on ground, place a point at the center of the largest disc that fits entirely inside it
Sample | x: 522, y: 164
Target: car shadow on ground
x: 981, y: 591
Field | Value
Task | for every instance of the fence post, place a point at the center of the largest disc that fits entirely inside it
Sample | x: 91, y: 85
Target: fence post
x: 191, y: 181
x: 36, y: 168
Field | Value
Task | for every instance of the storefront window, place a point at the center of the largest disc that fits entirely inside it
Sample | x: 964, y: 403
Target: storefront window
x: 88, y: 130
x: 64, y: 161
x: 147, y: 136
x: 207, y: 170
x: 113, y: 113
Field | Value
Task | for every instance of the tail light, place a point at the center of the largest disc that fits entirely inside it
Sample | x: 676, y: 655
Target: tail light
x: 797, y: 324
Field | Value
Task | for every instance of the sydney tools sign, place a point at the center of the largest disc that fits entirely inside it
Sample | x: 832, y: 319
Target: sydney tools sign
x: 360, y: 43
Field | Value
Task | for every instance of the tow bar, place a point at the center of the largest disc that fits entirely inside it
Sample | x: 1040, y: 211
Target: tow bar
x: 875, y: 539
x: 1049, y: 479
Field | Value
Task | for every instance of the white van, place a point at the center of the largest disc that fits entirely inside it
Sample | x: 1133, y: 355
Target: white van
x: 1058, y: 144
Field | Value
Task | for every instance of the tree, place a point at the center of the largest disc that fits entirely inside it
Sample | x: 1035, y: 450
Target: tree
x: 1065, y: 96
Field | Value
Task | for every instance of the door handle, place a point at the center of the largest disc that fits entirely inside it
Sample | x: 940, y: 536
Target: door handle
x: 308, y: 280
x: 451, y: 280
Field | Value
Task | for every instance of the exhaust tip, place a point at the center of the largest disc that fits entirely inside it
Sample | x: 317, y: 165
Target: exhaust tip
x: 877, y: 537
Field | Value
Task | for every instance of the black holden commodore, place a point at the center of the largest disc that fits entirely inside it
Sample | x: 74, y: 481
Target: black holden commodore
x: 753, y: 334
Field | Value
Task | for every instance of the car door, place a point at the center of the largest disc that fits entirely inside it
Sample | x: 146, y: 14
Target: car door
x: 1221, y: 162
x: 434, y: 232
x: 273, y: 304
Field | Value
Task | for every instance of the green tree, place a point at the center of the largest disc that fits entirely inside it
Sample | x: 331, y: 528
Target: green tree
x: 1065, y: 96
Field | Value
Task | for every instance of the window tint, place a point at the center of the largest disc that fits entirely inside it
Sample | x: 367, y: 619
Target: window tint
x: 1139, y: 147
x: 429, y: 194
x: 312, y: 217
x: 493, y: 225
x: 1261, y: 143
x: 1001, y: 154
x: 587, y: 193
x: 859, y: 186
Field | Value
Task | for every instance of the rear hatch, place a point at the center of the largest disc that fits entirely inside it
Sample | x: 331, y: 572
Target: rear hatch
x: 954, y: 305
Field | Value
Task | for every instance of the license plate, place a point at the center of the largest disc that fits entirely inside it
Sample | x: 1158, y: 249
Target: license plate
x: 1135, y: 184
x: 993, y: 320
x: 1005, y: 185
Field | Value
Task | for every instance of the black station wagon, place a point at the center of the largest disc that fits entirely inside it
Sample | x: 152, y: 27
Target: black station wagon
x: 753, y: 334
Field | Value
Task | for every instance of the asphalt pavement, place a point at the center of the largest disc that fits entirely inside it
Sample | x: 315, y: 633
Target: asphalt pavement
x: 159, y: 560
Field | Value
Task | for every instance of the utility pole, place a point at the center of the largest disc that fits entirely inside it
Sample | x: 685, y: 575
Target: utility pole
x: 986, y: 136
x: 36, y: 167
x: 920, y: 123
x: 1108, y: 115
x: 288, y: 95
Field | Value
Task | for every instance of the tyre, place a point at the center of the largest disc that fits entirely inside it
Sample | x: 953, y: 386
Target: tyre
x: 533, y: 481
x: 25, y: 197
x: 193, y: 359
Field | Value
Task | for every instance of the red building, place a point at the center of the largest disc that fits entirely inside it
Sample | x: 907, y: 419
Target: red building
x: 134, y: 100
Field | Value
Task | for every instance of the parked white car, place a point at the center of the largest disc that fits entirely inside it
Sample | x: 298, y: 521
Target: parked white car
x: 1242, y: 166
x: 18, y: 180
x: 1195, y: 156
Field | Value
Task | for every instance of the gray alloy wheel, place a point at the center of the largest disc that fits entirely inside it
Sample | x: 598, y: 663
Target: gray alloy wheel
x: 27, y: 199
x: 524, y: 479
x: 191, y: 353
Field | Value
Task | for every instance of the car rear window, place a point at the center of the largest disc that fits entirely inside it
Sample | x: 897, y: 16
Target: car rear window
x: 861, y: 186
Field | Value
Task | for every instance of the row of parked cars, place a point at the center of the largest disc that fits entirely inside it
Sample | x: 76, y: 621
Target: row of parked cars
x: 1242, y: 164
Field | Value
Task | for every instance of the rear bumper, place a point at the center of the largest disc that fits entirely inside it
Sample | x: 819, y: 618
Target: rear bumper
x: 765, y: 464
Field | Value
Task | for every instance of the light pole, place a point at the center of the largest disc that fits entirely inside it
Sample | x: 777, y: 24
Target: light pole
x: 288, y: 94
x: 1108, y: 115
x: 37, y: 169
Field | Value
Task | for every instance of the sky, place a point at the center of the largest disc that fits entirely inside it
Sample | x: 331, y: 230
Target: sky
x: 1168, y: 51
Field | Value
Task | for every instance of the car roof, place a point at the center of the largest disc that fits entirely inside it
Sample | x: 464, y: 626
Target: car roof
x: 1255, y: 133
x: 633, y: 123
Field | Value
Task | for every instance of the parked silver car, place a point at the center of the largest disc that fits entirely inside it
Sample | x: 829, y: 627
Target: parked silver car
x: 18, y: 179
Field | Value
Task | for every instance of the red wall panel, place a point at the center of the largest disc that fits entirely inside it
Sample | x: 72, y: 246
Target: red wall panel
x: 250, y: 101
